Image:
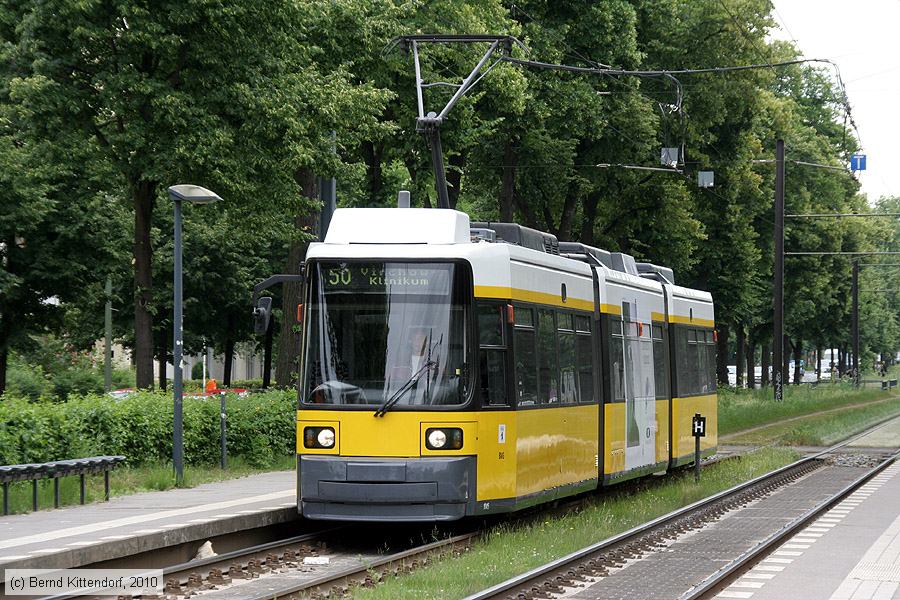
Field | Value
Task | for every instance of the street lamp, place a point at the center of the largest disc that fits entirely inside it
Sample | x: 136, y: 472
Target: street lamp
x: 196, y: 195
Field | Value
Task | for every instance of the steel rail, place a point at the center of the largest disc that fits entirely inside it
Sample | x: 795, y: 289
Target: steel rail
x: 737, y: 567
x: 213, y: 561
x: 361, y: 573
x: 636, y: 532
x: 182, y: 571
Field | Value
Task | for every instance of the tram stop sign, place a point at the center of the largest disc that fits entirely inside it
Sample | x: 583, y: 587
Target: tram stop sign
x: 698, y: 426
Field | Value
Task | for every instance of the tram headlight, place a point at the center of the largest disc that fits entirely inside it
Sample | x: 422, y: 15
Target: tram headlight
x: 437, y: 439
x: 326, y: 437
x: 444, y: 438
x: 318, y: 437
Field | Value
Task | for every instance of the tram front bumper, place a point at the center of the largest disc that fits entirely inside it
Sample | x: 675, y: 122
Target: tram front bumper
x: 374, y: 489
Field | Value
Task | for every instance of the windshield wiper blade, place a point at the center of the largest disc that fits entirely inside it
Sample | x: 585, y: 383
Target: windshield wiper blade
x: 404, y: 388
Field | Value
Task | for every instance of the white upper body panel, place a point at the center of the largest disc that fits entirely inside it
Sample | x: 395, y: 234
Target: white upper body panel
x: 397, y: 226
x: 499, y: 270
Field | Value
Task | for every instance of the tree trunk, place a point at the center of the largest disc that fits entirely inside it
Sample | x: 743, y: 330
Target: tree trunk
x: 160, y: 354
x: 374, y: 178
x: 751, y: 364
x: 229, y: 360
x: 798, y: 354
x: 508, y: 183
x: 819, y: 363
x: 786, y: 359
x: 457, y: 163
x: 589, y: 209
x: 4, y: 361
x: 144, y: 195
x: 6, y: 329
x: 286, y: 369
x: 842, y: 361
x: 764, y: 364
x: 722, y: 355
x: 739, y: 360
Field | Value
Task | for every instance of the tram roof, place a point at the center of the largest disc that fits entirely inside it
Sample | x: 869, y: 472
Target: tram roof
x: 443, y: 233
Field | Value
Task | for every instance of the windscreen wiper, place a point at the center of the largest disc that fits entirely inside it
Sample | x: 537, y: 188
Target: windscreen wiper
x: 404, y: 388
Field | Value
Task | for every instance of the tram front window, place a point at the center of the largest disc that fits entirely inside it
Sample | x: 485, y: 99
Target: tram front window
x: 387, y: 333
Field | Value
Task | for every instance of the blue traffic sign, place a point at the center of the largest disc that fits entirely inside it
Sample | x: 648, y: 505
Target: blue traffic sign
x: 858, y: 162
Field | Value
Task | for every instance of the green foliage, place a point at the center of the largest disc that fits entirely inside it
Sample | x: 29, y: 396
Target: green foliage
x: 25, y: 380
x: 140, y: 427
x: 95, y: 124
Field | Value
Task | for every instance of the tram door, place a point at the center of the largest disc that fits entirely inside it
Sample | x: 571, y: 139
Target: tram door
x: 640, y: 392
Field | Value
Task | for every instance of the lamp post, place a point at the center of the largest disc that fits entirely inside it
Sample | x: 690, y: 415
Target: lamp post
x: 196, y: 195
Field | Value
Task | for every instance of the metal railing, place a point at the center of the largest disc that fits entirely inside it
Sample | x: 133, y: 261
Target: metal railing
x: 57, y: 469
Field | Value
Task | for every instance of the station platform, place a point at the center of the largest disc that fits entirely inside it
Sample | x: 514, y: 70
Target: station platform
x: 145, y: 523
x: 852, y: 552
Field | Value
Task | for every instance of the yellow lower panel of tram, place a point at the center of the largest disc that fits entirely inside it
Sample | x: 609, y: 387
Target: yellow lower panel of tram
x: 519, y: 452
x: 684, y: 410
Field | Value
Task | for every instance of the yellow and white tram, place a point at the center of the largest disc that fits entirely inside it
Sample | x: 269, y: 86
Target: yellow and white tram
x: 454, y: 369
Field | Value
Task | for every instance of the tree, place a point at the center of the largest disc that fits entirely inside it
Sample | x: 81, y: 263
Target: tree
x: 177, y: 91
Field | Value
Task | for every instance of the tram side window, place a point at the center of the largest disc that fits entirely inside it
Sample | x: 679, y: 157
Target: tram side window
x: 492, y: 354
x: 584, y: 357
x: 711, y: 361
x: 526, y: 358
x: 568, y: 371
x: 548, y: 358
x: 617, y: 360
x: 660, y: 362
x: 695, y: 361
x: 490, y: 324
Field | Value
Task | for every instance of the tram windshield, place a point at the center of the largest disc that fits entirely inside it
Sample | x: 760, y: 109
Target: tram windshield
x: 386, y: 334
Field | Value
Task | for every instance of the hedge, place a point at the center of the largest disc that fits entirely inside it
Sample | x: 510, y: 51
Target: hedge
x: 260, y: 427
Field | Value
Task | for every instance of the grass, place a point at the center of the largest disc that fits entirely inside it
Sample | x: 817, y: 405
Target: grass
x: 133, y: 480
x: 822, y: 430
x: 510, y: 549
x: 742, y: 409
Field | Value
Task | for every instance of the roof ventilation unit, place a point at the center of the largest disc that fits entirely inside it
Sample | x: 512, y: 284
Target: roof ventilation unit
x: 515, y: 234
x: 480, y: 234
x: 577, y: 250
x: 624, y: 263
x: 660, y: 274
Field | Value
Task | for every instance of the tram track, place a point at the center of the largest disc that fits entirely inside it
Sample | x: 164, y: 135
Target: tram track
x: 293, y: 567
x: 746, y: 560
x: 596, y: 562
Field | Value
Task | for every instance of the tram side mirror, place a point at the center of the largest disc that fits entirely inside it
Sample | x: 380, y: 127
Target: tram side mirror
x: 261, y: 314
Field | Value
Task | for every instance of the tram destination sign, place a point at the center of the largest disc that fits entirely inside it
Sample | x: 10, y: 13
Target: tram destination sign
x: 387, y: 278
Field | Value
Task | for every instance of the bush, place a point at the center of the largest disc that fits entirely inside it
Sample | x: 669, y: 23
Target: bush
x: 123, y: 378
x: 249, y: 384
x: 26, y: 381
x: 260, y: 428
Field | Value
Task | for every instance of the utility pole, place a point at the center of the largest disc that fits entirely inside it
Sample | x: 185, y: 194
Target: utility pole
x: 778, y: 281
x: 107, y: 351
x: 854, y: 327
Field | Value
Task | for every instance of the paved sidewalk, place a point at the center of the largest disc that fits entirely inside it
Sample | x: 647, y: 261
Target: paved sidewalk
x: 127, y: 525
